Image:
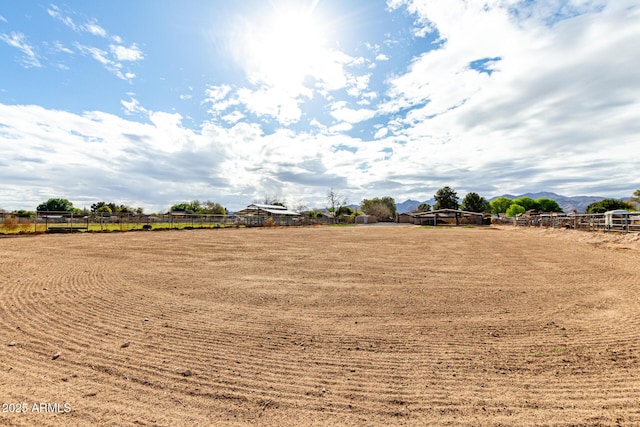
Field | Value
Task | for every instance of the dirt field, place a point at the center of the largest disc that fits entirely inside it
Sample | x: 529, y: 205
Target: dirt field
x: 321, y: 326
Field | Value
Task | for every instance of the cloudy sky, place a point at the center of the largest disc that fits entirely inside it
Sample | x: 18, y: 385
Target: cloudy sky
x: 150, y: 103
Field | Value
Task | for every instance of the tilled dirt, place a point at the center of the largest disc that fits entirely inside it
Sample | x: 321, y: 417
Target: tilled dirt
x: 321, y: 326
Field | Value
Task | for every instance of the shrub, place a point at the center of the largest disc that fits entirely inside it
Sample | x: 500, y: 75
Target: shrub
x: 11, y: 223
x: 514, y: 210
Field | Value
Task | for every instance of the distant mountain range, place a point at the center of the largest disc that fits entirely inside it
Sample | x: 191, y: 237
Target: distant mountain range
x: 568, y: 204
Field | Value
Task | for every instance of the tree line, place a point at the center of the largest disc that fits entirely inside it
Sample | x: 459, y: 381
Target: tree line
x: 447, y: 198
x: 57, y: 204
x: 380, y: 207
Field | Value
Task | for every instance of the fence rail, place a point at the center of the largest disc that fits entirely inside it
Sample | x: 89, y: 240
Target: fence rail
x: 63, y: 222
x: 625, y: 222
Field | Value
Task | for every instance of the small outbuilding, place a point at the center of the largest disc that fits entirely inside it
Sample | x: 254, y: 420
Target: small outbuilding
x: 256, y: 215
x: 405, y: 218
x: 366, y: 219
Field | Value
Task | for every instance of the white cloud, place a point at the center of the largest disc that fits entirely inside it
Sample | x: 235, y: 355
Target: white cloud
x: 94, y: 29
x: 271, y: 102
x: 381, y: 133
x: 358, y: 84
x: 341, y: 127
x: 215, y: 94
x: 233, y: 117
x: 3, y: 19
x: 133, y: 106
x: 18, y: 40
x: 343, y: 113
x: 102, y: 57
x: 554, y: 98
x: 123, y: 53
x: 147, y: 164
x: 90, y: 26
x: 60, y: 47
x: 56, y: 13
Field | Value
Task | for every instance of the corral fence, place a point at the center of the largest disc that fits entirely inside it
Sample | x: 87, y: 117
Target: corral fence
x: 615, y: 221
x: 65, y: 222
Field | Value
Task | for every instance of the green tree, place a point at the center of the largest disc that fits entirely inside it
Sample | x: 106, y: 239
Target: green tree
x: 56, y: 205
x: 97, y: 206
x: 500, y: 205
x: 124, y: 209
x: 473, y: 202
x: 344, y: 211
x: 608, y: 205
x: 379, y: 210
x: 180, y: 207
x: 446, y: 198
x: 514, y: 210
x: 548, y: 205
x: 423, y: 207
x: 527, y: 203
x: 113, y: 208
x: 210, y: 207
x: 23, y: 214
x: 370, y: 205
x: 188, y: 207
x: 103, y: 209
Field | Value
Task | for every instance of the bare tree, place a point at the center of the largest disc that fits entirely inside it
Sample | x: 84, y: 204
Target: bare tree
x: 335, y: 200
x: 275, y: 200
x: 301, y: 206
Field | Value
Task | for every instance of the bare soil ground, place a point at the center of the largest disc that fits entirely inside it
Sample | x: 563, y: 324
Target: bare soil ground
x: 321, y: 326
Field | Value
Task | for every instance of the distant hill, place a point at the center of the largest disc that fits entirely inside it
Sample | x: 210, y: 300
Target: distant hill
x: 568, y: 204
x: 411, y: 205
x: 408, y: 205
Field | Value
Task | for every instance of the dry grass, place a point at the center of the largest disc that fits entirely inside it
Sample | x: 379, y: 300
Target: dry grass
x: 10, y: 223
x: 322, y: 326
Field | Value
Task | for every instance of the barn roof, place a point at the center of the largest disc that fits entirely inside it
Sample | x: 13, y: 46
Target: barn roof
x: 255, y: 208
x: 263, y: 207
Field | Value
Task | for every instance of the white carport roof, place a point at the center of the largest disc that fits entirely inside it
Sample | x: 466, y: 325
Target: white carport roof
x: 272, y: 209
x: 280, y: 211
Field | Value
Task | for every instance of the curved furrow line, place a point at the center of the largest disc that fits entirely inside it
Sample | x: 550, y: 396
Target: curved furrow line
x: 284, y: 373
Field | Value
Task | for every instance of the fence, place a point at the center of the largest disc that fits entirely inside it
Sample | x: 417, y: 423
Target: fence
x: 64, y: 222
x: 618, y: 221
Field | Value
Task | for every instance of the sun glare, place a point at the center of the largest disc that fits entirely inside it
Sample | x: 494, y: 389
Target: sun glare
x: 287, y: 47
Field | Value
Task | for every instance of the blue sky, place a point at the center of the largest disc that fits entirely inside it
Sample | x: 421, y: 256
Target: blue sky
x: 151, y: 103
